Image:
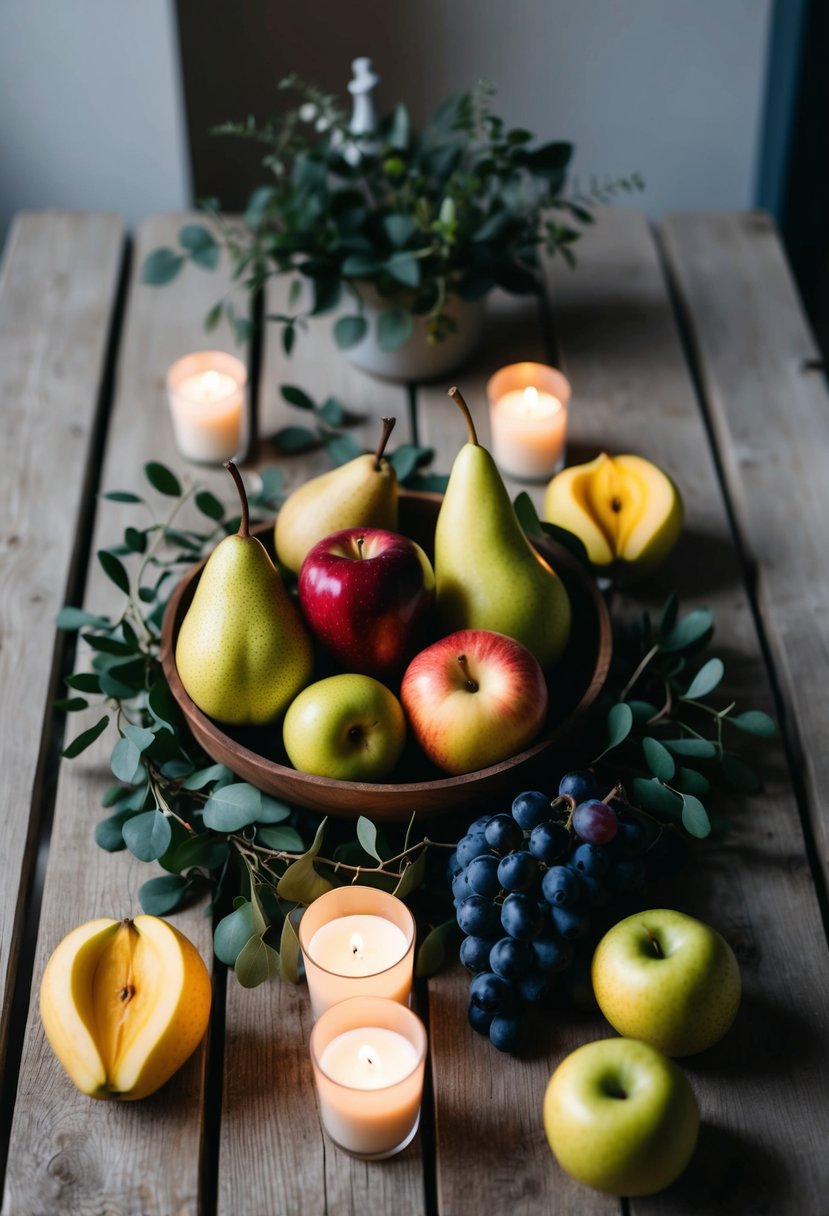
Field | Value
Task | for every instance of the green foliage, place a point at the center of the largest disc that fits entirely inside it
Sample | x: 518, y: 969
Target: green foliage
x: 670, y: 719
x: 456, y: 210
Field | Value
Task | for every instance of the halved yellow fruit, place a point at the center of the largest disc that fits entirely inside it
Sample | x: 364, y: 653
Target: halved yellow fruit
x: 124, y: 1003
x: 625, y: 510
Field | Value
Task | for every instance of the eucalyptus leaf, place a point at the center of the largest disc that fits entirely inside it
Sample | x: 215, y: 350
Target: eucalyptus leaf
x: 332, y: 411
x: 350, y: 330
x: 233, y: 931
x: 200, y: 849
x: 209, y: 505
x: 706, y: 680
x: 619, y: 726
x: 139, y: 735
x: 125, y: 761
x: 367, y: 836
x: 296, y: 396
x: 301, y: 884
x: 75, y: 618
x: 695, y: 817
x: 292, y: 440
x: 233, y: 807
x: 85, y: 739
x: 689, y: 781
x: 405, y: 268
x: 84, y: 681
x: 658, y: 759
x: 71, y: 705
x: 342, y: 448
x: 289, y: 950
x: 642, y: 710
x: 394, y: 327
x: 754, y: 722
x: 432, y: 950
x: 412, y: 876
x: 121, y: 496
x: 148, y: 835
x: 162, y: 706
x: 256, y: 963
x: 162, y: 479
x: 703, y: 749
x: 284, y: 838
x: 404, y: 460
x: 163, y: 894
x: 114, y: 570
x: 653, y: 796
x: 109, y: 832
x: 161, y: 266
x: 670, y: 611
x: 688, y: 631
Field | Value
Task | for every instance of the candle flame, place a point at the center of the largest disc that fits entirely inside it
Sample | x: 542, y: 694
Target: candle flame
x: 530, y: 398
x: 369, y: 1057
x: 356, y: 944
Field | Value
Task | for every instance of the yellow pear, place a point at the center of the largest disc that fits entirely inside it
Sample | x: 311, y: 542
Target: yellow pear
x: 243, y: 652
x: 124, y: 1003
x: 627, y: 511
x: 487, y: 574
x: 359, y: 494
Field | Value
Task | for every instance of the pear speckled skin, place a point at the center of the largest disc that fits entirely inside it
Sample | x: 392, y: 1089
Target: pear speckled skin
x: 488, y: 575
x: 360, y: 494
x: 668, y: 979
x: 242, y: 652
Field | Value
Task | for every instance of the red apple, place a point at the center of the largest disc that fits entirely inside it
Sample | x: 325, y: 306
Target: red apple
x: 365, y: 594
x: 473, y: 698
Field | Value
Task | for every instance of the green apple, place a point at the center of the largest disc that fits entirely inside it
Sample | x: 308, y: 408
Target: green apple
x: 350, y: 727
x: 668, y: 979
x: 621, y: 1117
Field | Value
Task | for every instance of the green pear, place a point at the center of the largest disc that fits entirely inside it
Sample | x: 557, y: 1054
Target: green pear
x: 359, y: 494
x: 243, y: 652
x: 488, y: 575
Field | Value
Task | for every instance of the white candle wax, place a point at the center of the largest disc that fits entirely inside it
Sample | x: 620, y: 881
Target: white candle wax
x: 368, y: 1057
x: 207, y: 398
x: 358, y: 945
x: 529, y: 429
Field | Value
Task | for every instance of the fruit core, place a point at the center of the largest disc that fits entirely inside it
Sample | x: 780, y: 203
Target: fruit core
x: 623, y: 498
x: 125, y: 985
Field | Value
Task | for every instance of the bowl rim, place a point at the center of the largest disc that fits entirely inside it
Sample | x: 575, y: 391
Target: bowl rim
x: 558, y: 555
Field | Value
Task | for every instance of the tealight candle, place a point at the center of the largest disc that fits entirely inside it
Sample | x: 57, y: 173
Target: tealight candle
x: 357, y: 941
x: 206, y: 392
x: 368, y: 1055
x: 528, y: 419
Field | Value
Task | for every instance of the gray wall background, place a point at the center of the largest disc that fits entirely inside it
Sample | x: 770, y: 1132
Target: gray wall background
x: 92, y: 105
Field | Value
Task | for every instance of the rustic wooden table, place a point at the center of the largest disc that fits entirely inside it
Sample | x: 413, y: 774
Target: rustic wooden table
x: 687, y: 345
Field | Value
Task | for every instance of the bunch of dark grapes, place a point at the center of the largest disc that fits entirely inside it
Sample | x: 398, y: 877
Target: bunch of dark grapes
x: 530, y: 886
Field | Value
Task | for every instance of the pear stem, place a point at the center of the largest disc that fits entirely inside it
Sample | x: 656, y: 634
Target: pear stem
x: 244, y: 522
x: 455, y: 394
x: 388, y: 427
x: 471, y: 684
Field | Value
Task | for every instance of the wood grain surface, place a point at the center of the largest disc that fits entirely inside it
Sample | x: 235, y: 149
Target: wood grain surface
x: 57, y: 292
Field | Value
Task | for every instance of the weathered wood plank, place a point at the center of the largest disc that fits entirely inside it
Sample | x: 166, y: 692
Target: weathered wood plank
x: 761, y: 370
x: 492, y: 1152
x: 762, y: 1093
x: 57, y: 289
x: 68, y: 1153
x: 274, y: 1156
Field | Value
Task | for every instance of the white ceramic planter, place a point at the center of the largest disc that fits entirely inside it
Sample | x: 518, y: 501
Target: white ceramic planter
x: 417, y: 359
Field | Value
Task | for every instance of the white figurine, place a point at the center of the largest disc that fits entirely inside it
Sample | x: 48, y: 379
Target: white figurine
x: 364, y: 118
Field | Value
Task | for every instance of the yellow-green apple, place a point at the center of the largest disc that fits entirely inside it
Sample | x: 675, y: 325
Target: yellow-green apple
x: 123, y: 1004
x: 668, y: 979
x: 365, y: 594
x: 621, y: 1117
x: 473, y: 698
x: 625, y: 509
x: 349, y: 727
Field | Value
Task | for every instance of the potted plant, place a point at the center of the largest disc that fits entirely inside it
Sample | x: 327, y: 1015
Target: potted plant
x: 402, y: 234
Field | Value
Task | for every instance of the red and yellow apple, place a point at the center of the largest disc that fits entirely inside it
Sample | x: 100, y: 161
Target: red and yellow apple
x: 473, y: 698
x: 626, y: 511
x: 124, y: 1003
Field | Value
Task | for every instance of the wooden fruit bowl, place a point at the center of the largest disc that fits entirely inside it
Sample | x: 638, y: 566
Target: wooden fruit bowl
x: 255, y: 754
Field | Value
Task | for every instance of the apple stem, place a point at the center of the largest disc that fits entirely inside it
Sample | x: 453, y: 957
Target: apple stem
x: 244, y: 522
x: 657, y: 949
x: 471, y: 685
x: 388, y: 427
x: 455, y: 394
x: 361, y: 540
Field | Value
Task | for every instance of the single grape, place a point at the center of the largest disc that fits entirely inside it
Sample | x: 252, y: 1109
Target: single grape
x: 570, y: 923
x: 492, y: 993
x: 578, y: 785
x: 460, y: 887
x: 478, y: 824
x: 482, y: 876
x: 478, y: 917
x: 590, y: 859
x: 521, y: 917
x: 503, y: 833
x: 517, y: 871
x: 530, y: 808
x: 474, y: 953
x: 504, y: 1033
x: 510, y: 958
x: 596, y: 890
x: 549, y: 842
x: 453, y: 866
x: 627, y: 873
x: 551, y: 954
x: 595, y: 822
x: 560, y: 887
x: 471, y: 846
x: 534, y: 987
x: 479, y: 1019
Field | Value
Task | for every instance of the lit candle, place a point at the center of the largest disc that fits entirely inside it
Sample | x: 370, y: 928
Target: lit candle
x: 368, y: 1056
x: 357, y: 941
x: 206, y: 391
x: 528, y: 419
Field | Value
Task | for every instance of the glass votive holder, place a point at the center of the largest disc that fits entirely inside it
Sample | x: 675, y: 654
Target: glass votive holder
x: 357, y: 941
x: 207, y: 393
x: 368, y: 1055
x: 528, y: 404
